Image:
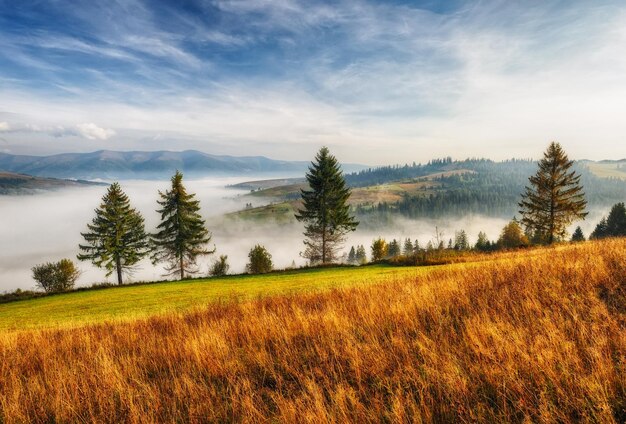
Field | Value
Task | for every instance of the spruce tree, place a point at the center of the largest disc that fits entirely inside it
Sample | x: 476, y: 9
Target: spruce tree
x: 361, y: 255
x: 612, y: 226
x: 600, y: 231
x: 554, y: 198
x: 482, y: 243
x: 352, y: 256
x: 116, y: 239
x: 578, y: 235
x: 460, y: 240
x: 408, y: 247
x: 325, y: 212
x: 181, y: 236
x: 616, y: 221
x: 393, y: 249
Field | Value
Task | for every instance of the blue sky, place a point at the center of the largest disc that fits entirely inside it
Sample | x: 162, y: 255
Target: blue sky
x: 378, y: 82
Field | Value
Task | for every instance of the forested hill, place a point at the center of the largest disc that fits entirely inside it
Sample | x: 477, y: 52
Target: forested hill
x: 485, y: 187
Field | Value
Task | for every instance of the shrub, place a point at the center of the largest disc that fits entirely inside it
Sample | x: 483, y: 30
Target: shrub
x: 56, y: 276
x: 260, y: 260
x: 220, y: 267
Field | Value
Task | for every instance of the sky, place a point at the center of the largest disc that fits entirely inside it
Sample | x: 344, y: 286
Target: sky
x: 376, y: 82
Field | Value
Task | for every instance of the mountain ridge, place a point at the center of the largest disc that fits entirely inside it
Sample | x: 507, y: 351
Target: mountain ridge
x: 111, y: 164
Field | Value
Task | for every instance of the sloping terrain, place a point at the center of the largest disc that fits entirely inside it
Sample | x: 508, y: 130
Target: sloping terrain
x: 12, y: 183
x: 533, y: 336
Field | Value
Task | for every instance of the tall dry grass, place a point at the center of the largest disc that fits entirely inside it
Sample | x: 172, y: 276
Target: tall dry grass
x: 538, y: 337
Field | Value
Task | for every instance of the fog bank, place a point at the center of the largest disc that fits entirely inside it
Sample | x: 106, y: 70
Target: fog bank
x: 47, y: 227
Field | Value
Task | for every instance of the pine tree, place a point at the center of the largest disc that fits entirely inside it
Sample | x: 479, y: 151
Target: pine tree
x: 326, y: 213
x: 352, y: 256
x: 554, y: 199
x: 181, y: 235
x: 601, y: 230
x: 361, y: 255
x: 408, y: 248
x: 578, y: 235
x: 116, y: 239
x: 393, y: 249
x: 616, y: 222
x: 614, y: 225
x: 416, y: 246
x: 482, y: 243
x: 460, y: 240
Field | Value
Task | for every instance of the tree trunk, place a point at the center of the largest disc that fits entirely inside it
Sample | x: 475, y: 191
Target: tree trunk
x: 182, y: 269
x: 324, y: 245
x: 118, y: 266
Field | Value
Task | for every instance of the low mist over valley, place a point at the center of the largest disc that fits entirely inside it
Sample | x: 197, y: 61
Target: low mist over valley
x: 241, y: 211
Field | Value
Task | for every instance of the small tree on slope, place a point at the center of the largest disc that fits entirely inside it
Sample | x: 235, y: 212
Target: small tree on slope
x: 554, y: 198
x: 181, y: 235
x: 116, y: 240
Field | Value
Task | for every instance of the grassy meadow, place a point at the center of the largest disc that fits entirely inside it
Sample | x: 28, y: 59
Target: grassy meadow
x: 530, y: 336
x: 123, y: 303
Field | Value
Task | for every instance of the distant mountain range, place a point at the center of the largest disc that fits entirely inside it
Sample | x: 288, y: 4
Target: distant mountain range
x: 106, y: 164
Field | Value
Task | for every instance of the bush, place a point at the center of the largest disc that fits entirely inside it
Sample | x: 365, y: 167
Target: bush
x: 260, y: 260
x: 220, y: 267
x: 56, y: 276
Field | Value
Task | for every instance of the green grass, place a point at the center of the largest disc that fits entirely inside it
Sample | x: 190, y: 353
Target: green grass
x: 138, y: 301
x: 280, y: 212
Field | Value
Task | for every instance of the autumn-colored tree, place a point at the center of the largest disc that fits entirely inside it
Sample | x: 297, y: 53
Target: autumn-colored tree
x: 512, y: 236
x: 379, y: 249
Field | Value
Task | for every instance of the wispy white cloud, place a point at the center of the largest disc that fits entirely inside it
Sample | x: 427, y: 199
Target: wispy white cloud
x: 377, y: 82
x: 86, y: 130
x: 94, y: 132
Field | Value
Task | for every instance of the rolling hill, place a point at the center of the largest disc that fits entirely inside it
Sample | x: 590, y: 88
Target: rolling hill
x: 442, y: 187
x: 526, y: 336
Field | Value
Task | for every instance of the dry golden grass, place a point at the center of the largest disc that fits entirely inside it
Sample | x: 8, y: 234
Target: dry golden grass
x: 538, y: 337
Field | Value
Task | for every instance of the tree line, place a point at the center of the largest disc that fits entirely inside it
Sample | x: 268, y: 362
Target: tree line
x: 116, y: 239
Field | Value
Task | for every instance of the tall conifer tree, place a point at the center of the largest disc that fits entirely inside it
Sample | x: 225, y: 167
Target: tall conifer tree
x: 116, y: 239
x: 181, y: 235
x: 325, y: 212
x: 554, y: 198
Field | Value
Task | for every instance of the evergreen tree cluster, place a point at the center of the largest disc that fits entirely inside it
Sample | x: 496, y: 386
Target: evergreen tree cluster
x: 116, y: 239
x: 612, y: 226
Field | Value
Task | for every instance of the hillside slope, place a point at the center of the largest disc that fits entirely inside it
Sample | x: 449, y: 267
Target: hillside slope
x: 11, y: 183
x: 535, y: 336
